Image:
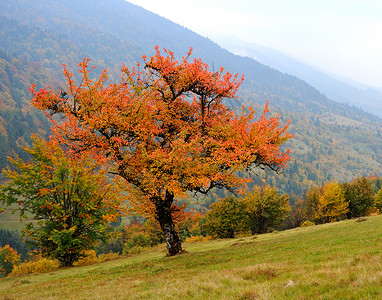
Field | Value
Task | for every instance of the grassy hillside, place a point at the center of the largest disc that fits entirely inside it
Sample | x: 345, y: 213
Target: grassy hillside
x: 331, y: 261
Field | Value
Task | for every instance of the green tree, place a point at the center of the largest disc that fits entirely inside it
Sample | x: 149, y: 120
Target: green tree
x: 72, y: 200
x: 265, y: 208
x: 226, y: 218
x: 360, y: 196
x: 378, y: 200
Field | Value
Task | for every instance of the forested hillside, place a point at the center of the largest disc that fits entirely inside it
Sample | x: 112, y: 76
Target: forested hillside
x: 332, y: 140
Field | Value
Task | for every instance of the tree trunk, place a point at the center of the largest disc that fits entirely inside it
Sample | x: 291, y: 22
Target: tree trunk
x: 67, y: 260
x: 164, y: 217
x: 262, y: 225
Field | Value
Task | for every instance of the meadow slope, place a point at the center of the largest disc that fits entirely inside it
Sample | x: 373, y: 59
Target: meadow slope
x: 332, y: 261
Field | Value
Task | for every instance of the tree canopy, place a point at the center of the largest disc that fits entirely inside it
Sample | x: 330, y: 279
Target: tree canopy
x: 165, y: 129
x: 71, y: 199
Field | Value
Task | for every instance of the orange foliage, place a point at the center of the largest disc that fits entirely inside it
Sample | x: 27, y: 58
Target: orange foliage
x: 164, y: 128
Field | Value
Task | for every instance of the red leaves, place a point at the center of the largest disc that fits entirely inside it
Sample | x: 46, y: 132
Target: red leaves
x: 166, y: 128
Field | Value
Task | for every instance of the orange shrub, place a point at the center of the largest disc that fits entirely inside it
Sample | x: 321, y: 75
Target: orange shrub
x: 42, y: 265
x: 9, y: 258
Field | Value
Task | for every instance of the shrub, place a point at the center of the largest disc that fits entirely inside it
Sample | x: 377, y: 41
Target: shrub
x: 265, y: 208
x: 113, y: 245
x: 136, y: 240
x: 378, y: 200
x: 134, y: 250
x: 144, y: 235
x: 89, y: 258
x: 307, y: 224
x: 191, y: 225
x: 73, y: 200
x: 42, y: 265
x: 225, y: 218
x: 152, y: 228
x: 360, y: 196
x: 12, y: 238
x: 9, y: 259
x: 197, y: 239
x: 326, y: 203
x: 108, y: 256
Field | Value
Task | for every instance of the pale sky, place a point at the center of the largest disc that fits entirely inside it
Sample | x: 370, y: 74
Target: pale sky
x: 343, y: 37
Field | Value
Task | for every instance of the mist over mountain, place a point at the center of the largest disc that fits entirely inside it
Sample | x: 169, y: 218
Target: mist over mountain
x: 342, y: 90
x: 332, y: 140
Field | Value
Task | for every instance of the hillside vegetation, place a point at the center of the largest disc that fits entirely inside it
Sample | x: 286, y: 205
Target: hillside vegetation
x: 331, y: 261
x: 332, y: 140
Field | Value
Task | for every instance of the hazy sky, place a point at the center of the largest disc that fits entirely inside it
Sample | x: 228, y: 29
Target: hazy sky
x: 343, y: 37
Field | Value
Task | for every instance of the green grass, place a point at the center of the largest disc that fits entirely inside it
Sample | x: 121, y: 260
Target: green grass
x: 333, y: 261
x: 11, y: 221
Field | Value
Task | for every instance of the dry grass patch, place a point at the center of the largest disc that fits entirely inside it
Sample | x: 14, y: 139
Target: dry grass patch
x: 259, y: 273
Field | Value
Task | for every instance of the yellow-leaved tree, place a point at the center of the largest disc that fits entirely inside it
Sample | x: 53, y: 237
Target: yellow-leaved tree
x: 331, y: 204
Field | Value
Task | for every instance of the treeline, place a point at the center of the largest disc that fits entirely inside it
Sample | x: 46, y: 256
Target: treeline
x: 335, y: 201
x: 262, y: 209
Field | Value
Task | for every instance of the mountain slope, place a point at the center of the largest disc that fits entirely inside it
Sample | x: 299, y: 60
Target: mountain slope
x: 332, y: 140
x: 367, y: 98
x: 132, y: 24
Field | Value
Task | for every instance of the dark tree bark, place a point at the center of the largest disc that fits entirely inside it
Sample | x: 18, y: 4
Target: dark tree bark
x: 68, y: 259
x: 258, y: 225
x: 164, y: 217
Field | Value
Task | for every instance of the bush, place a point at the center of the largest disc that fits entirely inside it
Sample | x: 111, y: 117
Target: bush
x: 326, y: 203
x: 12, y: 238
x: 134, y: 250
x: 307, y: 224
x: 265, y: 208
x: 226, y: 218
x: 144, y: 235
x: 113, y: 245
x: 72, y: 199
x: 9, y: 259
x: 192, y: 225
x: 108, y: 256
x: 378, y: 201
x: 360, y: 196
x: 89, y: 258
x: 42, y: 265
x: 137, y: 240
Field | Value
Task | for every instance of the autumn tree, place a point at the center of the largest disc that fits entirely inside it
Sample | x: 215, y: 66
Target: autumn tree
x: 265, y: 208
x: 9, y: 258
x: 311, y: 202
x: 331, y: 204
x: 165, y: 129
x: 71, y: 199
x: 191, y: 225
x: 360, y: 196
x: 297, y: 215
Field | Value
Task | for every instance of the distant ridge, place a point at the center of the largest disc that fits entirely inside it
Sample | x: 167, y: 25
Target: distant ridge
x: 332, y: 140
x: 342, y: 90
